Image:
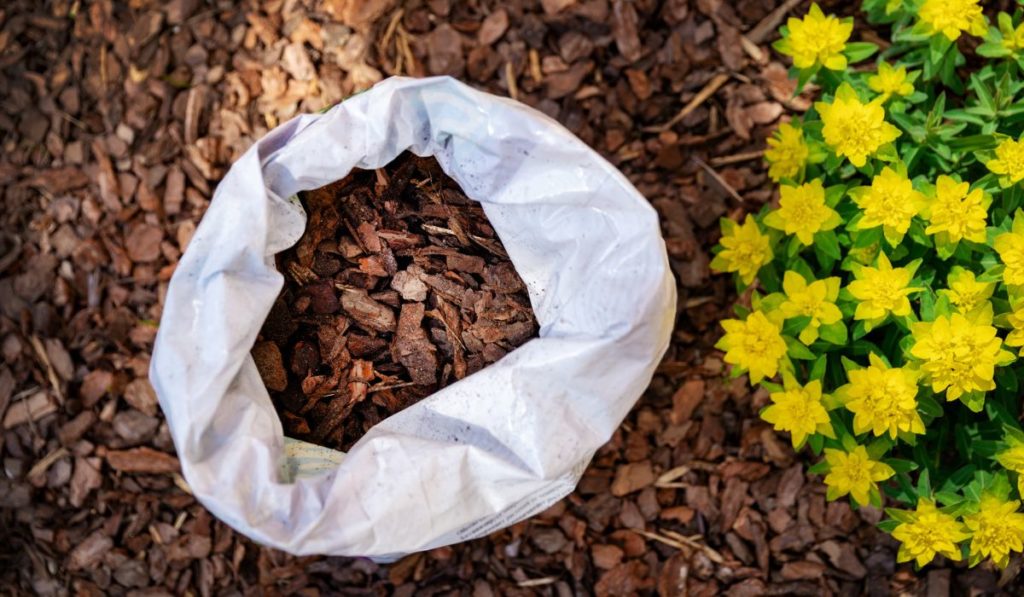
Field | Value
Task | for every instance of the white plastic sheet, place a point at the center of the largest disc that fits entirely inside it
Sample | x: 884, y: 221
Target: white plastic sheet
x: 481, y: 454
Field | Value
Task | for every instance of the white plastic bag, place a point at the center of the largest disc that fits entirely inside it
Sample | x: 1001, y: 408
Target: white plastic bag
x: 479, y: 455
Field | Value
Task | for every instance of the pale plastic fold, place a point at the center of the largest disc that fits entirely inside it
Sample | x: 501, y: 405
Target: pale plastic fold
x: 481, y: 454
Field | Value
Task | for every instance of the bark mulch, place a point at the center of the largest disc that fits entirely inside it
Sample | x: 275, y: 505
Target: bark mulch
x: 117, y: 121
x: 404, y: 239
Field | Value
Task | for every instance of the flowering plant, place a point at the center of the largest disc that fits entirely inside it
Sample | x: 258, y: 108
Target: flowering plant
x: 887, y: 284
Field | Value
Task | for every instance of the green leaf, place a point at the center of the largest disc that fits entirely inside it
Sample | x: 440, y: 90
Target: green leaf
x: 901, y: 465
x: 924, y: 485
x: 827, y: 243
x: 818, y: 369
x: 859, y: 50
x: 974, y: 401
x: 798, y: 351
x: 929, y: 407
x: 796, y: 325
x: 833, y: 333
x: 816, y: 443
x: 888, y: 525
x: 819, y: 468
x: 948, y: 498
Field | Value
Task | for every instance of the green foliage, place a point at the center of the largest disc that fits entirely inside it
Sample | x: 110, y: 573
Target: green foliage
x: 893, y: 268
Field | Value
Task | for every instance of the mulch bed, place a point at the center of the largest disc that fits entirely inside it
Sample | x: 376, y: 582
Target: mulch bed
x: 398, y: 288
x: 117, y: 121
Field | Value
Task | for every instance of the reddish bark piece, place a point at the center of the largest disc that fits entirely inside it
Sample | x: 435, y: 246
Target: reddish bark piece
x: 270, y: 364
x: 409, y: 286
x: 412, y: 348
x: 606, y: 557
x: 686, y: 400
x: 629, y: 578
x: 802, y: 570
x: 40, y: 404
x: 90, y: 551
x: 142, y: 460
x: 140, y: 394
x: 143, y: 243
x: 632, y: 477
x: 367, y: 311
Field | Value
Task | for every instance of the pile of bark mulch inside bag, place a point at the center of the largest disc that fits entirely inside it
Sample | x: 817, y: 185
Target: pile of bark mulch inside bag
x: 399, y: 287
x: 117, y: 121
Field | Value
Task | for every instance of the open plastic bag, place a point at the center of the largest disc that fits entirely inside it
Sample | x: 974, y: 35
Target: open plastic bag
x: 479, y: 455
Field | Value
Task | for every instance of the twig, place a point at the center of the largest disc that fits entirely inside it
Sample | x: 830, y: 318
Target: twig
x: 46, y: 461
x: 709, y: 89
x: 51, y: 374
x: 718, y: 178
x: 671, y: 475
x: 771, y: 22
x: 725, y: 160
x: 538, y: 582
x: 693, y: 542
x: 661, y: 539
x: 510, y: 80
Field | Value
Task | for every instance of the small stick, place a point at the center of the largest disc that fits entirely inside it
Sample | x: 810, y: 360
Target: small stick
x: 709, y: 89
x: 510, y: 80
x: 725, y: 160
x: 771, y: 22
x: 718, y: 178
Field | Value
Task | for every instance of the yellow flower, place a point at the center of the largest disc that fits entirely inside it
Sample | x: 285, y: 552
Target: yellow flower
x: 854, y: 473
x: 798, y: 410
x: 854, y: 129
x: 1009, y: 162
x: 890, y: 81
x: 816, y: 39
x: 957, y: 214
x: 882, y: 290
x: 1016, y: 320
x: 890, y: 202
x: 1013, y: 39
x: 802, y: 211
x: 1010, y: 246
x: 957, y: 355
x: 882, y: 399
x: 787, y: 152
x: 952, y: 17
x: 1012, y: 459
x: 816, y: 300
x: 755, y: 344
x: 965, y: 292
x: 927, y: 532
x: 746, y: 249
x: 997, y: 529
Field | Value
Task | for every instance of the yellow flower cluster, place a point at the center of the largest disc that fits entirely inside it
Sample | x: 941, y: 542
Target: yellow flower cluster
x: 883, y: 277
x: 883, y: 399
x: 817, y: 39
x: 957, y: 213
x: 890, y: 202
x: 958, y: 356
x: 882, y: 291
x: 799, y: 410
x: 928, y: 532
x: 853, y: 129
x: 803, y: 212
x: 754, y: 344
x: 787, y: 153
x: 745, y: 250
x: 952, y: 17
x: 854, y: 473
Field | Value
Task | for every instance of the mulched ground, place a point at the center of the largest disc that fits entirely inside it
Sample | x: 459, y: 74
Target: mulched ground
x: 117, y: 121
